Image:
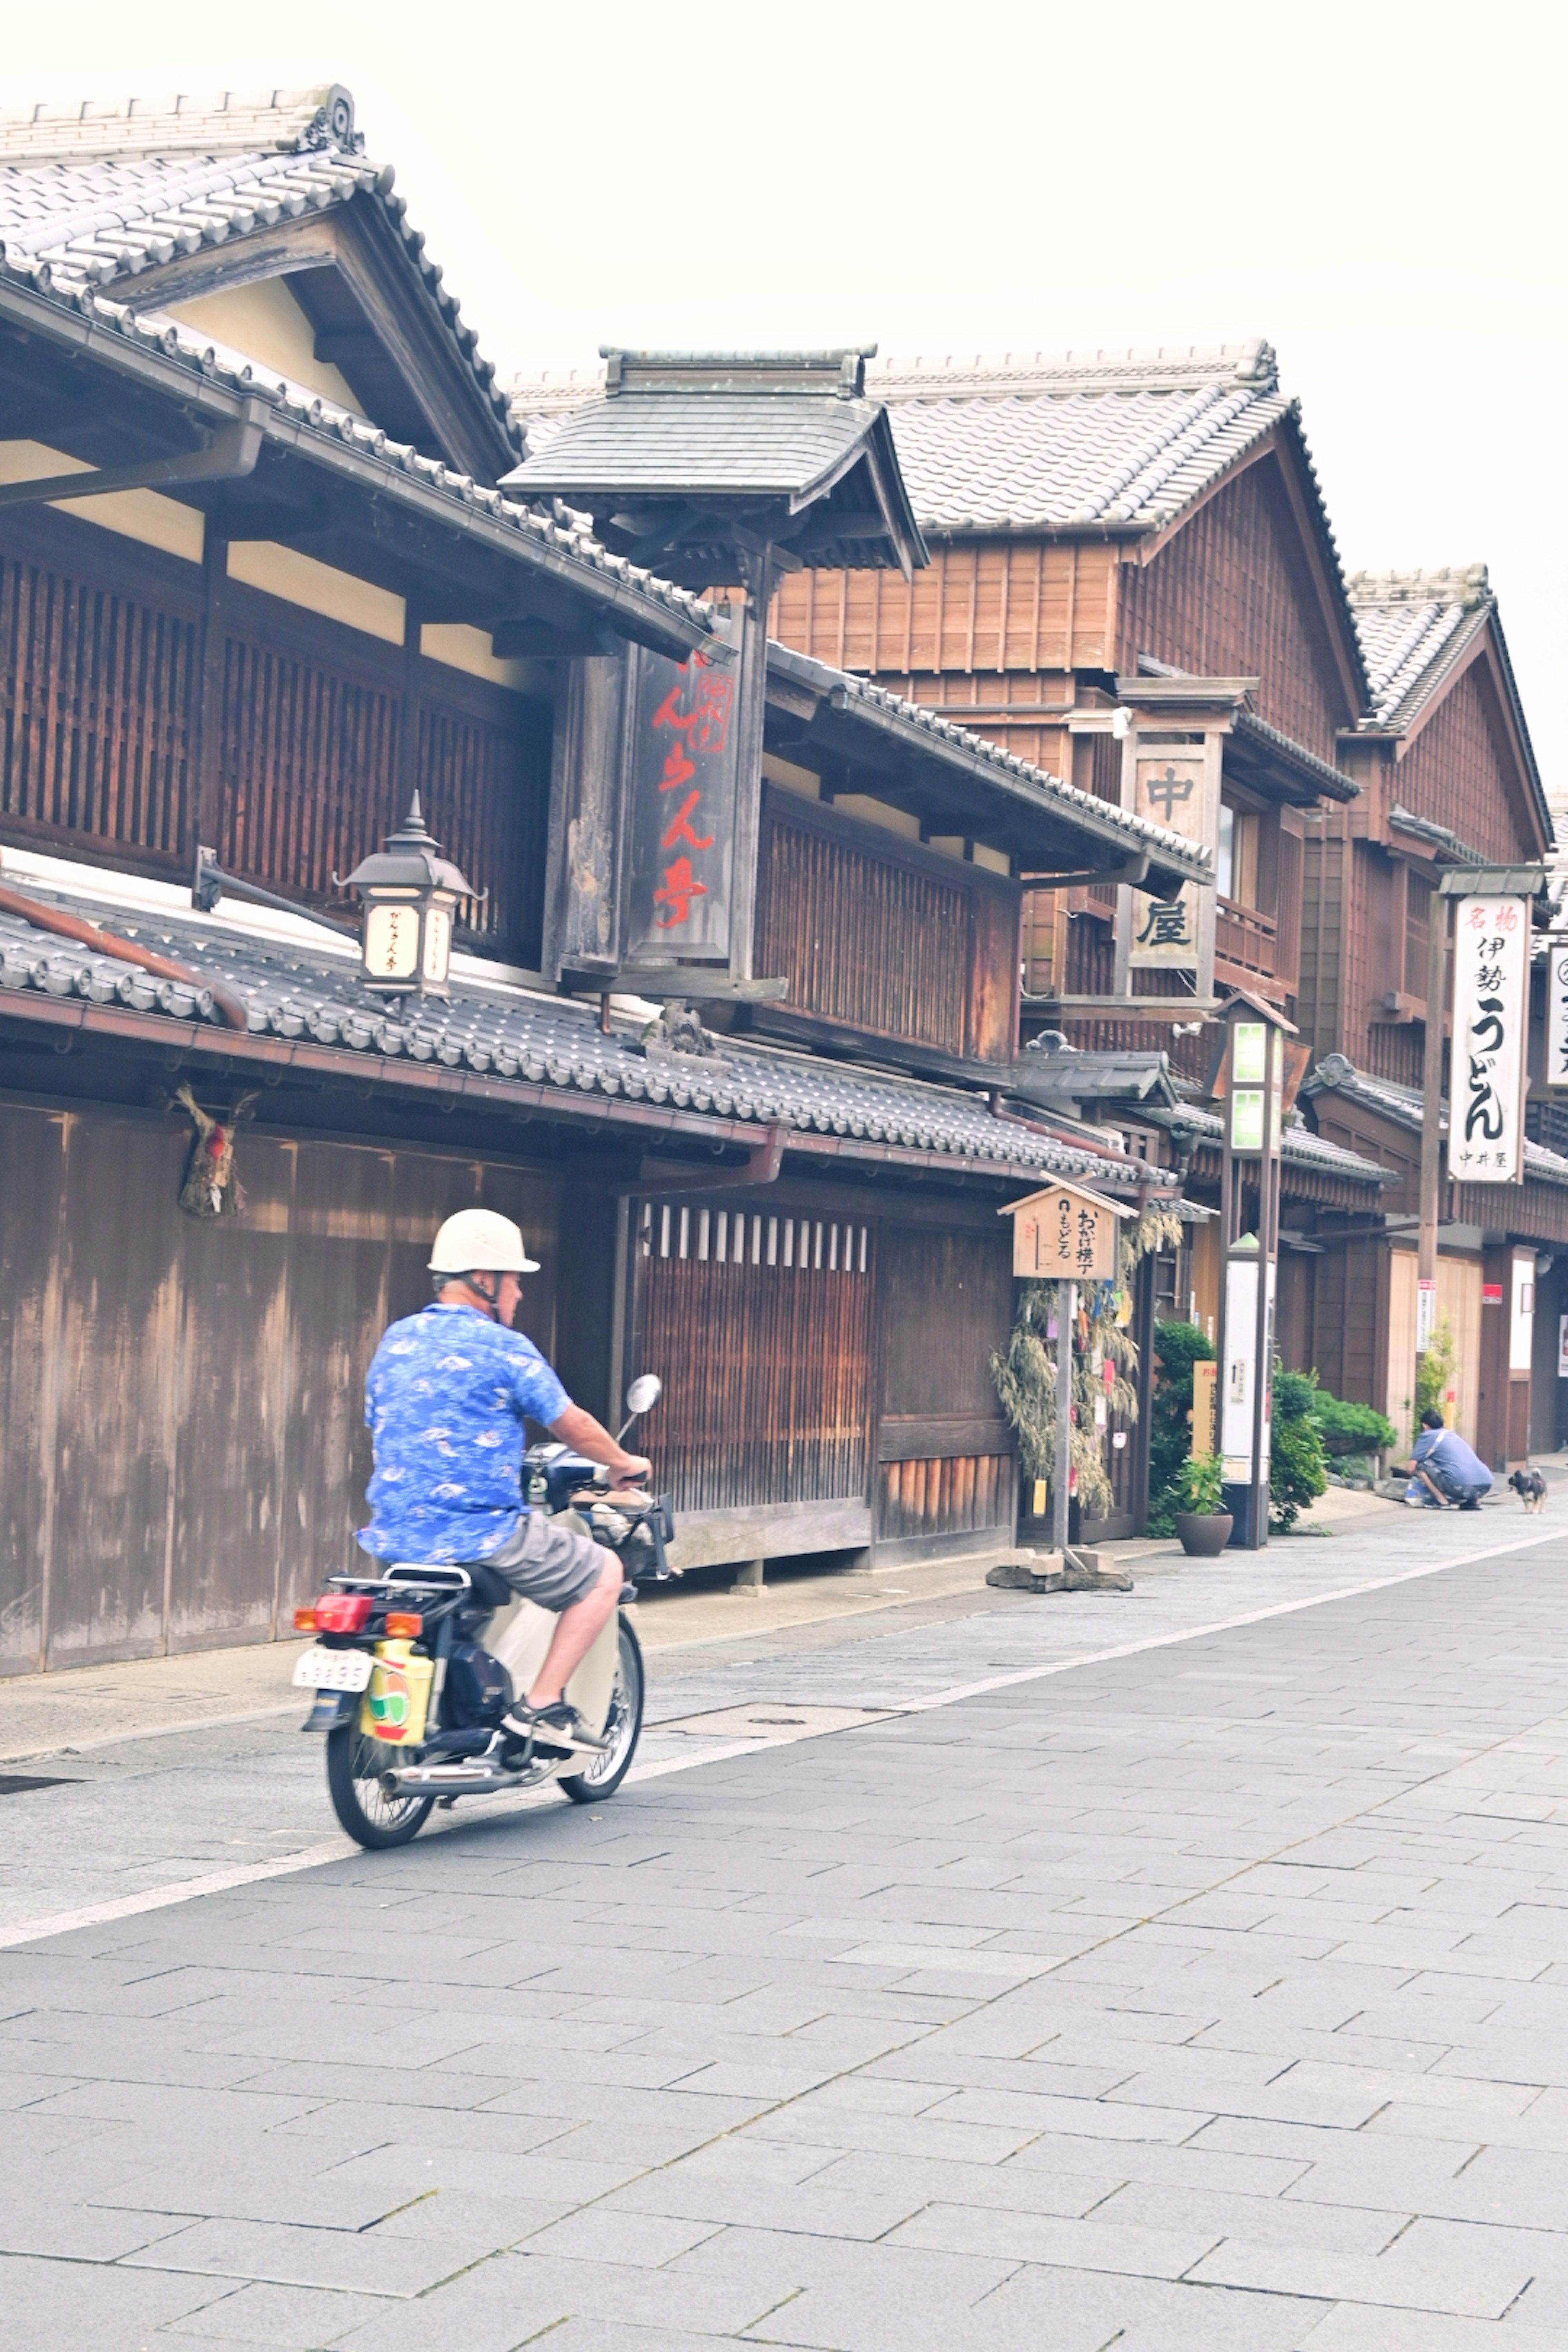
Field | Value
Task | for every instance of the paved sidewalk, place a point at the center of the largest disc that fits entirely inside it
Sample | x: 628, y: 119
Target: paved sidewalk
x: 1210, y: 1995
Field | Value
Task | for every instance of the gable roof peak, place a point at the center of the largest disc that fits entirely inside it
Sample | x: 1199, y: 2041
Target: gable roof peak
x: 233, y: 123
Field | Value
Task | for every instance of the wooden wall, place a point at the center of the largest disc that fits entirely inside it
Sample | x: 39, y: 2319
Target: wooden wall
x: 1230, y: 595
x: 944, y: 1466
x: 1028, y: 604
x: 101, y: 700
x: 890, y: 939
x: 182, y: 1452
x: 1459, y: 771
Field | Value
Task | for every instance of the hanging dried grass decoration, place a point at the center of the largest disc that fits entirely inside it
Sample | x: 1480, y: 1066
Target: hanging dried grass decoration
x: 212, y: 1187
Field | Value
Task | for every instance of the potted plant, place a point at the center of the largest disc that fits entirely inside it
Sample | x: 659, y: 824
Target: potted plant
x: 1202, y: 1523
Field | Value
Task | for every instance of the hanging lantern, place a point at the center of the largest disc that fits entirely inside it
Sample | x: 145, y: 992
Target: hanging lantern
x: 408, y: 891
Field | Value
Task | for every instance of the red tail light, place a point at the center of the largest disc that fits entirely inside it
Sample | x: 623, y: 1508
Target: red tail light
x: 343, y: 1613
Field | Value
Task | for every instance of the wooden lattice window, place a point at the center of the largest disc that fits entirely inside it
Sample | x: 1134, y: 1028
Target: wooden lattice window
x: 96, y: 693
x: 760, y: 1326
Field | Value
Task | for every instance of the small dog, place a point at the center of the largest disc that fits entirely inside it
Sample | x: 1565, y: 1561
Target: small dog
x: 1530, y: 1489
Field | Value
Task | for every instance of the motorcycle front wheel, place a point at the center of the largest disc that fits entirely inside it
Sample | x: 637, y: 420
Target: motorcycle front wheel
x: 622, y: 1726
x: 354, y: 1765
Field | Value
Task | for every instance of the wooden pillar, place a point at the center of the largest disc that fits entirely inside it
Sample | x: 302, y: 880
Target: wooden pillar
x: 1061, y: 1484
x: 206, y: 815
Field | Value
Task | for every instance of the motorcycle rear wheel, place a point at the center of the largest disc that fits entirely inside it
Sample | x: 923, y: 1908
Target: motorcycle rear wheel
x: 354, y: 1765
x: 622, y: 1727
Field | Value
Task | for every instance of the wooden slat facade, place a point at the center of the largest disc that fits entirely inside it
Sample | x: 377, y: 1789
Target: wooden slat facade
x: 182, y: 1450
x: 101, y: 674
x: 895, y: 941
x: 760, y: 1325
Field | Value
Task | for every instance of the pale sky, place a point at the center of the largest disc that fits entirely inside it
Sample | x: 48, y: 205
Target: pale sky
x: 1375, y: 187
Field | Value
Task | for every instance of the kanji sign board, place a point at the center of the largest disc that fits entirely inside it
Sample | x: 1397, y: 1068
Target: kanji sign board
x: 1557, y: 1014
x: 682, y: 787
x: 1065, y: 1235
x: 1491, y: 1015
x: 1176, y: 792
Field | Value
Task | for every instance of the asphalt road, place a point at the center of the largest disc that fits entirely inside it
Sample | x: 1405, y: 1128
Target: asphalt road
x: 1152, y: 1971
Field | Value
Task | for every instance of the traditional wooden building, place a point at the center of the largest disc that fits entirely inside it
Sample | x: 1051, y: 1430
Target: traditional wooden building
x: 1448, y: 779
x: 257, y: 587
x: 1133, y: 576
x: 1133, y: 583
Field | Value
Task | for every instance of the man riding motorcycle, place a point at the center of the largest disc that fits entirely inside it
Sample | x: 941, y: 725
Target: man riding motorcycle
x: 445, y: 1401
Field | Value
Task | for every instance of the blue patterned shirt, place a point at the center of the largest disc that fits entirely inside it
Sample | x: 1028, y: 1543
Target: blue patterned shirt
x: 445, y: 1401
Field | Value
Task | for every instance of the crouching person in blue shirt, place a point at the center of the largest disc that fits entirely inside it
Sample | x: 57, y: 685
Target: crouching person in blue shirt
x: 1447, y: 1467
x: 446, y: 1397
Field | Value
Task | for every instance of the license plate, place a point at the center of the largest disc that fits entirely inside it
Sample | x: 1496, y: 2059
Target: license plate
x: 319, y: 1669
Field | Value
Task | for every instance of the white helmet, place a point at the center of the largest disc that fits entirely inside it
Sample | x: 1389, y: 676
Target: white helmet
x: 478, y: 1241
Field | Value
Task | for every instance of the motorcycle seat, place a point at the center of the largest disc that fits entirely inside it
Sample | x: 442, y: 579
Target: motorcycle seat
x: 490, y: 1588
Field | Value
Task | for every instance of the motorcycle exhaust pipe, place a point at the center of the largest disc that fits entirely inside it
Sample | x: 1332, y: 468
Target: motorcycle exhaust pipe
x: 445, y: 1780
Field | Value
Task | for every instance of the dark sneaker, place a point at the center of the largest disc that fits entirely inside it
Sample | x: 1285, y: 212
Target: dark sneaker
x: 557, y: 1725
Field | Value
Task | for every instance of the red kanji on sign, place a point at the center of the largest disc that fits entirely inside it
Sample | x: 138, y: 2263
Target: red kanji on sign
x: 681, y: 828
x: 677, y: 891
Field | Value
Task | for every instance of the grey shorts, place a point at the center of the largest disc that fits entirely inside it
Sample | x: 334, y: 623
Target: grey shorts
x: 550, y: 1561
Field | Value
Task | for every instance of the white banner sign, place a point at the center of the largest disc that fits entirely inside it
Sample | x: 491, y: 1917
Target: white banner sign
x: 1491, y: 1019
x: 1557, y: 1014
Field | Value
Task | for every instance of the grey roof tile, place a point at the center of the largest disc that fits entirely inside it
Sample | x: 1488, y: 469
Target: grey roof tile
x: 1300, y: 1146
x: 921, y: 723
x: 1337, y: 1073
x: 732, y: 444
x: 537, y: 1040
x: 1413, y: 627
x: 555, y: 527
x: 91, y: 196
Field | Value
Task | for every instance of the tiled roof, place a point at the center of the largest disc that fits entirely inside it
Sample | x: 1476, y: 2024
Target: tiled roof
x: 777, y: 448
x: 1413, y: 627
x: 1337, y: 1073
x: 505, y: 1032
x: 1032, y: 441
x: 1300, y: 1145
x: 91, y: 196
x: 303, y: 414
x: 922, y: 725
x: 1417, y: 630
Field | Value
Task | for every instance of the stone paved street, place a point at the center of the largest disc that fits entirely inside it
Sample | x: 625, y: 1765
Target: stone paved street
x: 1212, y: 1994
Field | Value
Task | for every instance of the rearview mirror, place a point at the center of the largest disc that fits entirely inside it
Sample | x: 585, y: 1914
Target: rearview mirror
x: 644, y: 1392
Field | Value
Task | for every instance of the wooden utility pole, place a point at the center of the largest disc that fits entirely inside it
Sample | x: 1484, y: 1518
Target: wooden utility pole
x: 1067, y: 1319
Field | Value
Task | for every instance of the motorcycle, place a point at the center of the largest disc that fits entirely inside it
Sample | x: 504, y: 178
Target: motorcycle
x: 412, y: 1670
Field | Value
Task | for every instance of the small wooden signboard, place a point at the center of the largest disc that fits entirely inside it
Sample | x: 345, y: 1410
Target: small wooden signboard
x: 1065, y: 1235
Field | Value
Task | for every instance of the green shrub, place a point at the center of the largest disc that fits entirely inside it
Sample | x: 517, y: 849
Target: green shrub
x: 1177, y: 1348
x: 1296, y: 1472
x: 1348, y: 1428
x: 1199, y: 1485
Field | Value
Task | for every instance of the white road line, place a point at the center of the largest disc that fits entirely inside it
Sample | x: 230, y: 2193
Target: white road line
x: 222, y: 1882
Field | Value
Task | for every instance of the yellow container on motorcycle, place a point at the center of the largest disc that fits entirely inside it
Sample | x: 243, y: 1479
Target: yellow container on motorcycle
x: 397, y: 1698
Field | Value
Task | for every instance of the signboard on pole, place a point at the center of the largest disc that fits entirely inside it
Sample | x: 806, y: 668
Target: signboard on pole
x: 1491, y: 1019
x: 1176, y: 792
x: 1557, y: 1014
x: 1065, y: 1235
x: 682, y: 804
x: 1425, y: 1315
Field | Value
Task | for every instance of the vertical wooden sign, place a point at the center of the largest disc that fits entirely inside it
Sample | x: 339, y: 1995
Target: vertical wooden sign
x: 1491, y: 1019
x: 1557, y: 1014
x: 682, y: 807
